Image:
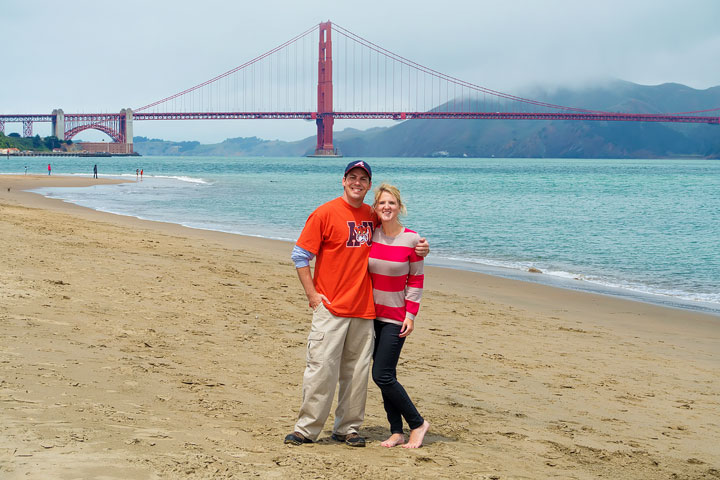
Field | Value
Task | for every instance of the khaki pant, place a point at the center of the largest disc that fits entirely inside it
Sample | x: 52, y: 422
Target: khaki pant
x: 339, y: 350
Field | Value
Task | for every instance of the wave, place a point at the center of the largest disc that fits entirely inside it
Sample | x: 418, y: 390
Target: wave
x: 184, y: 179
x: 181, y: 178
x: 578, y: 281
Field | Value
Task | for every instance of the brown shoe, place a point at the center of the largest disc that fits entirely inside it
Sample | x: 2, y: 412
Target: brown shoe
x: 297, y: 438
x: 351, y: 439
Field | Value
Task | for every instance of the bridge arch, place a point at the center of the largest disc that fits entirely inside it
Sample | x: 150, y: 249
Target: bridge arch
x: 113, y: 134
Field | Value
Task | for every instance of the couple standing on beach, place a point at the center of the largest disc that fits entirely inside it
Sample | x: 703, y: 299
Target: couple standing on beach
x: 365, y: 294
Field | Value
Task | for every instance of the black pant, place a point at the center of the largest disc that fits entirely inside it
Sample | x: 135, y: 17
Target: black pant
x: 385, y: 358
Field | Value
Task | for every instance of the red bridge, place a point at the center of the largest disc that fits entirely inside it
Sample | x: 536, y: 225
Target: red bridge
x: 365, y: 81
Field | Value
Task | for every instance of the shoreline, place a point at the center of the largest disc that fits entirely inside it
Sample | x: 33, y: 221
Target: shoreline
x: 586, y: 286
x: 279, y: 245
x: 138, y: 349
x: 568, y: 282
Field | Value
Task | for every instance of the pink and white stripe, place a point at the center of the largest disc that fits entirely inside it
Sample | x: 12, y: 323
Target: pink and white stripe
x: 397, y: 275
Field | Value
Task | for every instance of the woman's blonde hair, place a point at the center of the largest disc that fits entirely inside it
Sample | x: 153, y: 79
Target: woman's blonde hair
x: 392, y: 190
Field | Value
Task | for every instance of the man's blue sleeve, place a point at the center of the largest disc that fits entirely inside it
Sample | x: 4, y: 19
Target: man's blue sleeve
x: 301, y: 257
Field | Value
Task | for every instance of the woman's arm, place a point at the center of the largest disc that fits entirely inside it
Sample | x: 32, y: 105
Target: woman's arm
x: 413, y: 293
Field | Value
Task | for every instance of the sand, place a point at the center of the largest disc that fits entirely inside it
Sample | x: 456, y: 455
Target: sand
x: 142, y: 350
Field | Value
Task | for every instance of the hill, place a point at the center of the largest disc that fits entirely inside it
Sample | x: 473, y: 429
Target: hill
x: 35, y: 144
x: 514, y: 138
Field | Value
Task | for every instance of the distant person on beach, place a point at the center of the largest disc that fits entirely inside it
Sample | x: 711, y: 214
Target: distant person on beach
x: 397, y: 277
x: 340, y: 343
x: 25, y: 169
x: 49, y: 169
x: 141, y: 173
x: 95, y: 171
x: 137, y: 174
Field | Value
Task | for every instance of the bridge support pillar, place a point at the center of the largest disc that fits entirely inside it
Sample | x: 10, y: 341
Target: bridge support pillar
x: 27, y: 128
x: 325, y: 118
x: 58, y: 123
x: 126, y: 128
x: 325, y: 136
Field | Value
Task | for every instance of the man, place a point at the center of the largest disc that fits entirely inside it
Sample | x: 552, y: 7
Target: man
x: 340, y: 343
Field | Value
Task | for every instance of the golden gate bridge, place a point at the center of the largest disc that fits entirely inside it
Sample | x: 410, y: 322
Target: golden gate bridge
x: 353, y: 79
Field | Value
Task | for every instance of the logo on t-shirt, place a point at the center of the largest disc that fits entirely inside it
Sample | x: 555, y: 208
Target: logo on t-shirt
x: 359, y: 234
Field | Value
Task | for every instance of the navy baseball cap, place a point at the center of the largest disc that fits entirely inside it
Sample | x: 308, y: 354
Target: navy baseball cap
x: 359, y: 164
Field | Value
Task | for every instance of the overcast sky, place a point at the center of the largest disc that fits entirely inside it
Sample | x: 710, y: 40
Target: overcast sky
x: 101, y: 56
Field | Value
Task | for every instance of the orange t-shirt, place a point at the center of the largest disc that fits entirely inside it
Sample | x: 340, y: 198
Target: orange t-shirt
x: 340, y: 236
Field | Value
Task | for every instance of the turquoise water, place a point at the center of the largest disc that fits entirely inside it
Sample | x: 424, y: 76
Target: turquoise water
x: 645, y: 229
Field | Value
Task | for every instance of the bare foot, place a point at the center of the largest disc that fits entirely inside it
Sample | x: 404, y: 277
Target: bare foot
x: 393, y: 440
x: 417, y: 435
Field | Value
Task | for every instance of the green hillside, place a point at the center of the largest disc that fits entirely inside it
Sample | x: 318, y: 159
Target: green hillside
x: 514, y: 138
x: 36, y: 143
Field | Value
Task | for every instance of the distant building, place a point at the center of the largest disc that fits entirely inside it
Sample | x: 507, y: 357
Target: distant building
x: 106, y: 147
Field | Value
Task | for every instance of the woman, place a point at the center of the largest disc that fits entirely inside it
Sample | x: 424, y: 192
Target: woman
x: 397, y: 275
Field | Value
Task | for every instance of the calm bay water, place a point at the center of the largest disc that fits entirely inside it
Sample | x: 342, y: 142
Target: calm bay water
x: 645, y: 229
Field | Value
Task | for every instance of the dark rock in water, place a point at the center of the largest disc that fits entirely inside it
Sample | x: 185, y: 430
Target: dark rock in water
x: 534, y: 270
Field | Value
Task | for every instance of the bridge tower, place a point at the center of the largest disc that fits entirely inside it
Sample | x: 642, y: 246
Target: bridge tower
x: 58, y: 123
x: 126, y: 128
x: 325, y: 118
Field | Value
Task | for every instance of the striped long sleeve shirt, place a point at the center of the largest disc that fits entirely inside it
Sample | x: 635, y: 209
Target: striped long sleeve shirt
x: 397, y: 275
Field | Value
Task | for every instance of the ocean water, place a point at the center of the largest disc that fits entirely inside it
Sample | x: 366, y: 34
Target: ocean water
x: 644, y: 229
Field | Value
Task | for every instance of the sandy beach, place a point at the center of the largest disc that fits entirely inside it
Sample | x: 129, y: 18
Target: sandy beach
x: 143, y: 350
